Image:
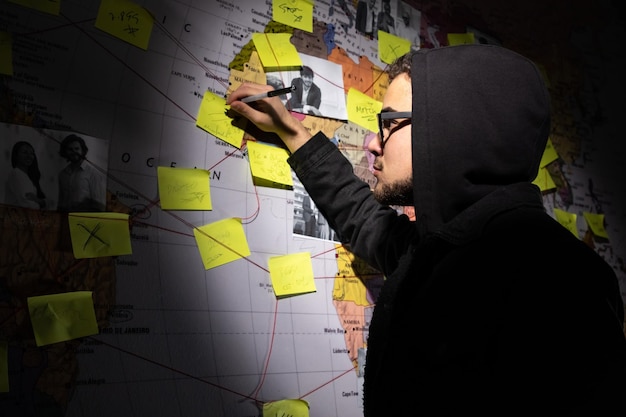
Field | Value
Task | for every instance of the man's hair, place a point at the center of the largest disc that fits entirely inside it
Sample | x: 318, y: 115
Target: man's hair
x: 400, y: 66
x: 306, y: 71
x: 71, y: 139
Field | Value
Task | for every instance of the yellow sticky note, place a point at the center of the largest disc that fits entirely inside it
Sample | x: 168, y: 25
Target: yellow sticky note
x: 461, y: 38
x: 567, y: 220
x: 544, y: 180
x: 269, y: 165
x: 60, y: 317
x: 4, y: 366
x: 6, y: 53
x: 213, y: 119
x: 221, y: 242
x: 549, y: 154
x: 294, y: 13
x: 292, y: 274
x: 291, y: 408
x: 276, y: 51
x: 596, y: 224
x: 184, y: 189
x: 125, y: 20
x: 362, y: 109
x: 46, y: 6
x: 391, y: 47
x: 99, y: 234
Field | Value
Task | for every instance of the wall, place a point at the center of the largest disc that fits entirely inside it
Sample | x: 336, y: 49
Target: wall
x: 178, y: 339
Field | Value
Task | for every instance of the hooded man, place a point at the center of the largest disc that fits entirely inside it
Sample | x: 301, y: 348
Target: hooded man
x: 490, y: 307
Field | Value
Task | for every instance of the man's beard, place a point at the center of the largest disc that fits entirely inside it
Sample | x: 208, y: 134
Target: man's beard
x: 399, y: 193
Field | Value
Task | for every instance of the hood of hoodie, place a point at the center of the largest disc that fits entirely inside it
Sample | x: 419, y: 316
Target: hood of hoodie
x: 480, y: 123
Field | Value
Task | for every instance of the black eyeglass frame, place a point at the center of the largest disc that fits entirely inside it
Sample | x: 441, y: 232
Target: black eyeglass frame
x: 390, y: 115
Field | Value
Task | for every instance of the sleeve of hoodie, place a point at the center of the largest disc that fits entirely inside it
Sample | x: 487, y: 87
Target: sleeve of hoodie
x: 375, y: 233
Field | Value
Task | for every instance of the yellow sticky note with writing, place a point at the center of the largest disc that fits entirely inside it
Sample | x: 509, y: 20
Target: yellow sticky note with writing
x: 544, y: 180
x: 269, y: 165
x: 99, y: 234
x: 288, y: 407
x: 292, y: 274
x: 47, y: 6
x: 461, y: 38
x: 4, y: 366
x: 363, y: 110
x: 60, y: 317
x: 276, y: 51
x: 221, y: 242
x: 125, y: 20
x: 567, y: 220
x: 184, y: 189
x: 6, y: 53
x: 549, y: 154
x: 596, y: 224
x: 294, y: 13
x: 391, y: 47
x: 213, y: 119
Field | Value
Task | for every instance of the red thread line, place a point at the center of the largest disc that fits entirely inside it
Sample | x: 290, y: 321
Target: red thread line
x: 129, y: 68
x: 269, y: 354
x: 178, y: 371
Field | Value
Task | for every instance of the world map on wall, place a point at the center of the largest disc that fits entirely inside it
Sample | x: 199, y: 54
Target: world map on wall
x: 175, y: 338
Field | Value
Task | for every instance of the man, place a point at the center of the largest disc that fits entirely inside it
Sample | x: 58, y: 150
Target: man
x: 385, y: 20
x: 81, y: 186
x: 307, y: 96
x: 405, y: 29
x: 490, y: 307
x: 366, y: 17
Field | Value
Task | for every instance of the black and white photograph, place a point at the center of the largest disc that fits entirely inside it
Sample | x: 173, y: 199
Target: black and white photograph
x: 53, y: 170
x: 319, y: 89
x: 307, y: 219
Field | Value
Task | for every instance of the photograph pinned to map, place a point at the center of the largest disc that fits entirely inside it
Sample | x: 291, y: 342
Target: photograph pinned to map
x: 326, y: 95
x: 32, y: 169
x: 307, y: 219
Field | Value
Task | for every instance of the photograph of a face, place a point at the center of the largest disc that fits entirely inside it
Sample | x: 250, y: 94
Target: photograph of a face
x: 319, y: 89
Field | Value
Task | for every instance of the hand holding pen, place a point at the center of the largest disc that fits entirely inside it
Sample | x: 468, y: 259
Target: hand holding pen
x: 268, y: 115
x: 272, y: 93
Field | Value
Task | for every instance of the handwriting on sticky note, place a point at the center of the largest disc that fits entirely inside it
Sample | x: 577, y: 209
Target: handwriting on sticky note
x: 269, y: 163
x: 60, y: 317
x: 213, y: 119
x: 184, y: 188
x: 125, y: 20
x: 295, y: 13
x: 391, y: 47
x: 221, y: 242
x: 292, y: 274
x: 362, y: 109
x: 99, y: 234
x: 596, y: 224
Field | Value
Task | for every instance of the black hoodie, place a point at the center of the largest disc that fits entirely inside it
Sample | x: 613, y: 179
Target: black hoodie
x: 490, y: 307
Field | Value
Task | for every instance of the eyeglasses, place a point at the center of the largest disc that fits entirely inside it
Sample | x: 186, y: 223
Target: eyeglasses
x: 387, y: 119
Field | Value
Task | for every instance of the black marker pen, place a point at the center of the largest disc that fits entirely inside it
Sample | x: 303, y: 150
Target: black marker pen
x: 272, y: 93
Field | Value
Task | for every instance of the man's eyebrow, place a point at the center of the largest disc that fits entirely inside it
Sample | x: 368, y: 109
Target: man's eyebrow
x: 388, y: 110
